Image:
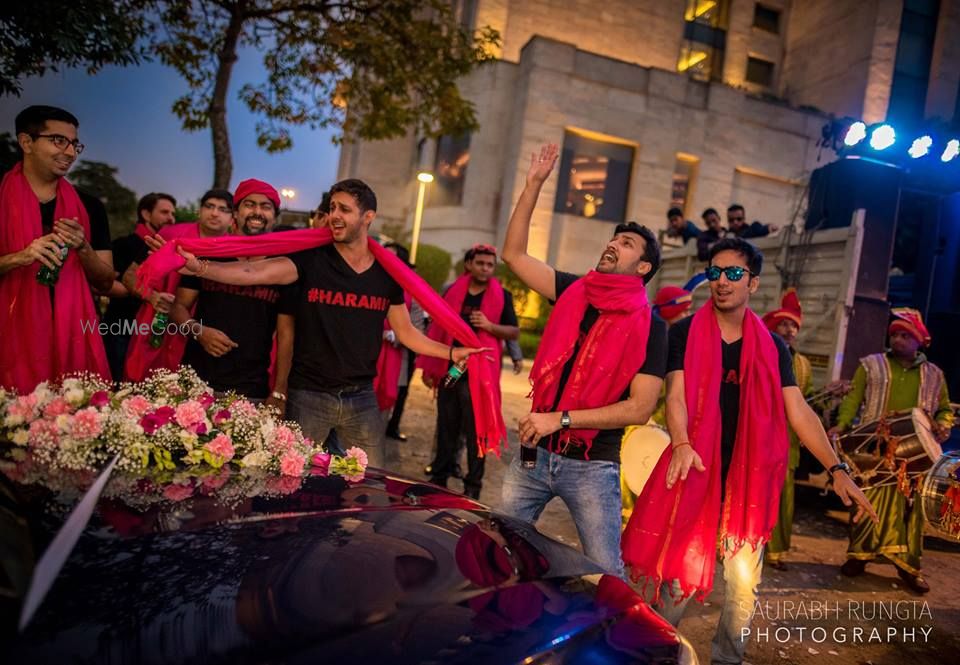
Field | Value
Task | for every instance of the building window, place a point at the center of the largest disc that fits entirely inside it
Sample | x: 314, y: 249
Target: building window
x: 767, y: 19
x: 684, y: 176
x: 760, y: 72
x: 704, y: 39
x: 594, y: 177
x: 450, y: 171
x: 911, y: 69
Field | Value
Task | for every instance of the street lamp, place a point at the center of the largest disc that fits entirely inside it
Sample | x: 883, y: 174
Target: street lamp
x: 423, y: 178
x: 288, y: 193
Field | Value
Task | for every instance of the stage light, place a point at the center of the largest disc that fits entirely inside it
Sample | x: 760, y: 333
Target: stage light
x: 950, y: 152
x: 856, y: 133
x: 920, y: 147
x: 882, y: 137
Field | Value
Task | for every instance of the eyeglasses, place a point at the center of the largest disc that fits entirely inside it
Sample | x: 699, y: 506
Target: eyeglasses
x: 733, y: 273
x: 61, y: 142
x: 213, y: 206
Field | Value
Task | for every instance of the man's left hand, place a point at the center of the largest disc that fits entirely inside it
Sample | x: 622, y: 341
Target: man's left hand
x: 479, y: 320
x: 460, y: 352
x: 535, y: 426
x: 70, y: 232
x: 517, y: 366
x: 850, y: 494
x: 940, y: 432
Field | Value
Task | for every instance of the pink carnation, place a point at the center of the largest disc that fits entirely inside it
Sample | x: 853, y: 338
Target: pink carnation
x: 190, y: 414
x: 57, y: 407
x: 100, y: 398
x: 178, y: 492
x: 206, y: 399
x: 23, y: 406
x: 355, y: 478
x: 284, y: 438
x: 283, y: 484
x: 221, y: 447
x: 244, y: 408
x: 136, y: 406
x: 291, y: 464
x: 44, y: 433
x: 217, y: 480
x: 86, y: 424
x: 358, y: 454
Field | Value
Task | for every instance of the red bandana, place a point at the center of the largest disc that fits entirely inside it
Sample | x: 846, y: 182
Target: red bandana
x: 672, y: 534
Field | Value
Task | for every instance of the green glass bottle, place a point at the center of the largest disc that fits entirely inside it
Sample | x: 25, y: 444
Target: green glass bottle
x: 49, y: 276
x: 157, y: 328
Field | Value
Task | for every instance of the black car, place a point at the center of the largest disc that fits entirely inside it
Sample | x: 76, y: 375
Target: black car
x: 386, y: 571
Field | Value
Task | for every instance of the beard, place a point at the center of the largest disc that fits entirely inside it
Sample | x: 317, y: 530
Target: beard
x: 247, y: 231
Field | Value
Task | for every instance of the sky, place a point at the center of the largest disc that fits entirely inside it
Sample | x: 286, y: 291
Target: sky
x: 126, y: 121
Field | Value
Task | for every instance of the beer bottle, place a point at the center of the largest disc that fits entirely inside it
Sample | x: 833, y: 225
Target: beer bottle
x: 157, y: 328
x: 49, y: 276
x: 454, y: 373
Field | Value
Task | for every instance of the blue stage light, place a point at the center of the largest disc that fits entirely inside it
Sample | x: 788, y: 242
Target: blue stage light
x: 920, y: 147
x: 950, y: 152
x: 882, y: 137
x: 856, y: 133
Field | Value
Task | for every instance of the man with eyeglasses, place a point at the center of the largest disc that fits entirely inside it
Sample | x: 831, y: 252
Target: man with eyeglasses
x: 727, y: 457
x: 738, y: 227
x: 487, y: 308
x: 232, y: 327
x: 45, y: 223
x: 599, y: 368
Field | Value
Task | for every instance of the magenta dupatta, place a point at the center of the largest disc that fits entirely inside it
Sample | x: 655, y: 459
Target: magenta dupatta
x: 491, y: 432
x: 672, y: 534
x: 43, y: 340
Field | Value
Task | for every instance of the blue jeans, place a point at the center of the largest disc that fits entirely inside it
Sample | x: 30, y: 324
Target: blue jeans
x: 353, y: 412
x: 591, y: 491
x: 741, y: 576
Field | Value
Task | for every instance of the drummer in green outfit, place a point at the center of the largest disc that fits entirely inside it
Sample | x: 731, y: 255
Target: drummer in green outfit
x: 786, y: 322
x: 900, y: 379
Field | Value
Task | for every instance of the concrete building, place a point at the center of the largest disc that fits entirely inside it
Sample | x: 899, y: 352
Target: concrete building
x: 695, y: 103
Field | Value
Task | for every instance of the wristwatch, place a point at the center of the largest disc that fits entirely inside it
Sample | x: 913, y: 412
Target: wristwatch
x: 842, y: 466
x: 278, y: 395
x: 565, y: 420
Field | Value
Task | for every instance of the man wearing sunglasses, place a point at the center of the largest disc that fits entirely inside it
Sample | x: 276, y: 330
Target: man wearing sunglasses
x: 599, y: 368
x: 738, y: 227
x: 730, y: 394
x: 486, y: 307
x: 45, y: 223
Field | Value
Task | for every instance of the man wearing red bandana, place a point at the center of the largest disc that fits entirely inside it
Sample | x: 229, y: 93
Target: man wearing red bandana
x: 487, y: 308
x: 47, y: 225
x: 716, y: 489
x: 902, y: 378
x: 599, y: 368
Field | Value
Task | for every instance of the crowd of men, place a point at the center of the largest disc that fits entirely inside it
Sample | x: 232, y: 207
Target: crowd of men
x: 327, y: 332
x: 713, y: 231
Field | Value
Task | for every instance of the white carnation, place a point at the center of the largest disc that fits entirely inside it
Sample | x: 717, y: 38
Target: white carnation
x: 20, y: 437
x: 256, y: 459
x: 74, y: 396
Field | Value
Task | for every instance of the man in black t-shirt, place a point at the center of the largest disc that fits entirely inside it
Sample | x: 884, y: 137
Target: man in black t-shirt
x: 342, y: 296
x: 233, y: 326
x: 454, y: 406
x: 586, y: 477
x: 733, y: 274
x: 154, y: 212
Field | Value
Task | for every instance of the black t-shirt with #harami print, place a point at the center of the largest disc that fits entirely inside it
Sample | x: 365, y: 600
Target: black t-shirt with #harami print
x: 339, y: 317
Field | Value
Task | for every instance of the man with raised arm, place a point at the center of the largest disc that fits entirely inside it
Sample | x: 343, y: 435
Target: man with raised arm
x: 588, y: 383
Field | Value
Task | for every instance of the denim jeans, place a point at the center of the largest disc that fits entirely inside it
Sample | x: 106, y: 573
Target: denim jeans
x: 591, y: 490
x: 741, y: 576
x: 353, y: 412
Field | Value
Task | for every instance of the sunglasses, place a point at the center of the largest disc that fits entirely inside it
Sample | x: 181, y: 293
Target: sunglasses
x: 733, y: 273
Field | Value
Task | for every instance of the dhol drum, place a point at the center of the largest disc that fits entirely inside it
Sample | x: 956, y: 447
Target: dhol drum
x: 879, y: 452
x: 940, y: 495
x: 639, y: 454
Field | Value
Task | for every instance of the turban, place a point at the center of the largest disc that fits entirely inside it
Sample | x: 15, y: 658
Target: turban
x: 672, y: 301
x: 909, y: 321
x: 789, y: 309
x: 254, y: 186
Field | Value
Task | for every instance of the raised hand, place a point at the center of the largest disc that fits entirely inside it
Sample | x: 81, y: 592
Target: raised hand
x: 541, y: 164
